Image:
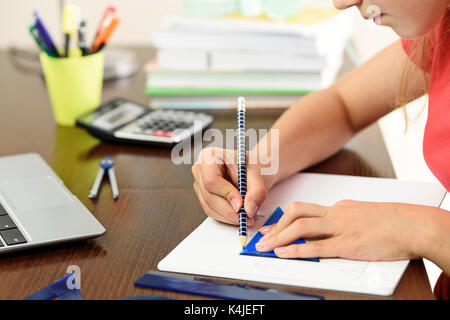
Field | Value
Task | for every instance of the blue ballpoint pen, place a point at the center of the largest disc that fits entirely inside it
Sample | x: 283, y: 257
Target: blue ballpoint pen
x: 34, y: 33
x: 45, y: 36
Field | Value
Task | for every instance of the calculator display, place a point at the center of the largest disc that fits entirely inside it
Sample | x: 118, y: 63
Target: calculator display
x: 116, y: 117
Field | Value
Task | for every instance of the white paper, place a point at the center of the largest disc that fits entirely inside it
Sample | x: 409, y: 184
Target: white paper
x: 213, y: 248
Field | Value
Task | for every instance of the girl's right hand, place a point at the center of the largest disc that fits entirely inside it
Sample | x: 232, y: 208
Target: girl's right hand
x: 215, y: 175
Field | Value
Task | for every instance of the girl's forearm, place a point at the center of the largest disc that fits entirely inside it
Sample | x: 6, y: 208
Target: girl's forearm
x: 313, y: 129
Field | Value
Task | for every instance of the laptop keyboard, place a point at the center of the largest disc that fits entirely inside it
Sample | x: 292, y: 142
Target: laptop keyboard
x: 8, y: 230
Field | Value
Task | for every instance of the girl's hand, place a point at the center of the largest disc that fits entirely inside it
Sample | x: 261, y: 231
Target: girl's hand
x: 215, y: 175
x: 349, y: 229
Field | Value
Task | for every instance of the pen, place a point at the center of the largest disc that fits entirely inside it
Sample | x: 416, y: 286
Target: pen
x: 104, y: 37
x: 82, y: 43
x: 66, y: 44
x: 242, y: 170
x: 33, y: 31
x: 45, y: 36
x: 109, y: 11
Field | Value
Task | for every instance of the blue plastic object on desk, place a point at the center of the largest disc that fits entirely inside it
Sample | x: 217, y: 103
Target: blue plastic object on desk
x: 58, y: 289
x: 250, y: 249
x: 190, y: 285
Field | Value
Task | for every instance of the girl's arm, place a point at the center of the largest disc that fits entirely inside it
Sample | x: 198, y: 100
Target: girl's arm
x: 313, y: 129
x: 318, y: 125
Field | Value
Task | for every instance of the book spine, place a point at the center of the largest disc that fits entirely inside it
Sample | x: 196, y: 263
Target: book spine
x: 196, y: 60
x: 178, y: 59
x: 209, y: 41
x: 243, y: 80
x: 244, y: 61
x: 164, y: 91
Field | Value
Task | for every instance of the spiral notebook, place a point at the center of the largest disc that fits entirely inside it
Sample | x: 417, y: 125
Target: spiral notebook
x: 213, y: 249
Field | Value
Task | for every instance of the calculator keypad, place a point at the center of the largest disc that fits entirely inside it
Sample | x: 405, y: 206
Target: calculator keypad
x: 165, y: 124
x: 160, y: 127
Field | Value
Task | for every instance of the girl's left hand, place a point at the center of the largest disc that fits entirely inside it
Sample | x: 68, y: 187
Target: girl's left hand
x: 349, y: 229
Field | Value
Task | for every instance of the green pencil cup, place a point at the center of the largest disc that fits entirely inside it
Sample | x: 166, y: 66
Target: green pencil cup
x: 74, y: 85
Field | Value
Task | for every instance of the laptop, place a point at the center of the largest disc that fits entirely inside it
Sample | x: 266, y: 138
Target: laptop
x: 36, y: 209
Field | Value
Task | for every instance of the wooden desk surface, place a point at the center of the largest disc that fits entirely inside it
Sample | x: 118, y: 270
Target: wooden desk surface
x: 157, y: 207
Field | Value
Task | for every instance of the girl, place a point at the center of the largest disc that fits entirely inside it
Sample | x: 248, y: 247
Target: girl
x: 318, y: 125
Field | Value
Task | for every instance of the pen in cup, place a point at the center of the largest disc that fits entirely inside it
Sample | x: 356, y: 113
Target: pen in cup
x: 35, y: 34
x: 104, y: 21
x: 82, y: 43
x: 104, y: 36
x: 45, y: 36
x: 73, y: 29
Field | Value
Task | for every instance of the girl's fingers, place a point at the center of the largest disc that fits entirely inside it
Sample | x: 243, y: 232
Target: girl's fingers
x: 215, y: 184
x: 328, y: 248
x: 227, y: 218
x: 211, y: 176
x: 216, y: 202
x: 295, y: 211
x: 215, y: 175
x: 256, y: 192
x: 217, y: 207
x: 300, y: 228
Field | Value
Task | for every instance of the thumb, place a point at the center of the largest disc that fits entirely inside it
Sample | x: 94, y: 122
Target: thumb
x: 256, y: 192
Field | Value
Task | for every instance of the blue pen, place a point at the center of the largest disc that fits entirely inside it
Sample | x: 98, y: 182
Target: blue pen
x: 45, y: 36
x: 34, y: 33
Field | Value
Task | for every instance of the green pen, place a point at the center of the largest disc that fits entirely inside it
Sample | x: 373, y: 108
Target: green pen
x: 34, y: 33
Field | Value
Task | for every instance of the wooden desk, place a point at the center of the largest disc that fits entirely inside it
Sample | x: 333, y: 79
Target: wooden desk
x: 157, y: 207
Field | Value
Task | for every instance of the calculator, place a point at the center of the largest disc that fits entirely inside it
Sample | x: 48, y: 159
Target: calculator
x: 123, y: 121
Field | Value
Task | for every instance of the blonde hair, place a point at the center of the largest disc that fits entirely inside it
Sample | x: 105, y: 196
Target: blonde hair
x: 419, y: 51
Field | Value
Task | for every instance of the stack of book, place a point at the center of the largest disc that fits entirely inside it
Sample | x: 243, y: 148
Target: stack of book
x: 203, y: 57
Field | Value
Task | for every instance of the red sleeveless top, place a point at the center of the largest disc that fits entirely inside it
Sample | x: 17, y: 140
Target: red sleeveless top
x: 436, y: 142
